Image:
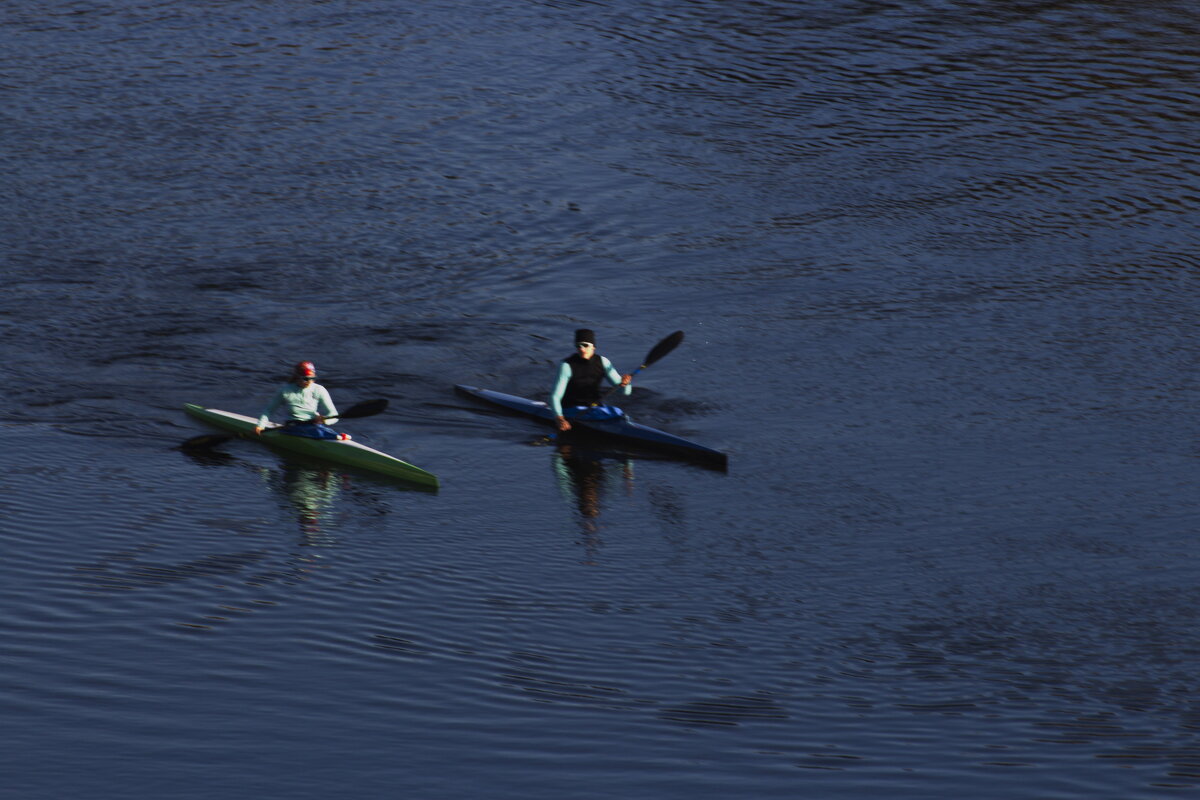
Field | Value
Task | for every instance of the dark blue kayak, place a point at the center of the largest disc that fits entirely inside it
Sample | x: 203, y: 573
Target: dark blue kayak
x: 620, y: 429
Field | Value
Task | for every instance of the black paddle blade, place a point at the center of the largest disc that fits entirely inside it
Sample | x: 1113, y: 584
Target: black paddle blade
x: 367, y: 408
x: 204, y: 441
x: 662, y: 348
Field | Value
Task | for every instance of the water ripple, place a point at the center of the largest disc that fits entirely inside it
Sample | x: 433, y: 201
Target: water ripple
x: 935, y: 262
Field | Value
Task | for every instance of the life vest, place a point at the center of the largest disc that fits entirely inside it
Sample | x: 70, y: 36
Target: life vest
x: 583, y: 388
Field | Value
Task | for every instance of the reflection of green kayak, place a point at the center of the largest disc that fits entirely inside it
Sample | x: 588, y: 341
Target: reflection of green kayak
x: 350, y: 453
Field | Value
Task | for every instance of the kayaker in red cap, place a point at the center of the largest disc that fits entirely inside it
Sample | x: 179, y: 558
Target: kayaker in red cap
x: 579, y: 378
x: 307, y: 404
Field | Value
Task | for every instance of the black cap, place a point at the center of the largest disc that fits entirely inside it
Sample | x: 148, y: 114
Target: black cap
x: 585, y: 335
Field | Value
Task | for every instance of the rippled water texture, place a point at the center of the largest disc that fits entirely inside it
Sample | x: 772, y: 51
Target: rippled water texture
x: 935, y: 262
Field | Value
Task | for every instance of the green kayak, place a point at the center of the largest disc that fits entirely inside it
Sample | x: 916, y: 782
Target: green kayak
x: 350, y: 453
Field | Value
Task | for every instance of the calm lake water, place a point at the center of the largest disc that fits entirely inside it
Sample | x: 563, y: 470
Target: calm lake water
x: 936, y: 265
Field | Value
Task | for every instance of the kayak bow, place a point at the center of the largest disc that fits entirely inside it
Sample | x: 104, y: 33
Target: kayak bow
x: 621, y: 429
x: 348, y: 452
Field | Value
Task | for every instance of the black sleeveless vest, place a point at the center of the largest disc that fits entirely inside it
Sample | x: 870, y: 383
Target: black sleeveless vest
x: 583, y: 388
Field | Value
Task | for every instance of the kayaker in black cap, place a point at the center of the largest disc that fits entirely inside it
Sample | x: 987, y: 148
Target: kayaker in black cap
x: 579, y: 378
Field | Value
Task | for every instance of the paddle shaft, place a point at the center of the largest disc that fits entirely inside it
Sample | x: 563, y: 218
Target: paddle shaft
x: 367, y: 408
x: 658, y: 351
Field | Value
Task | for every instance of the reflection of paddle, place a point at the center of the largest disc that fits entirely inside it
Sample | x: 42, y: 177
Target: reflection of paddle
x: 658, y: 351
x: 367, y: 408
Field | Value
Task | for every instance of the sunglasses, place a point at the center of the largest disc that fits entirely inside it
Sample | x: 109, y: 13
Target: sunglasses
x: 306, y: 377
x: 584, y: 344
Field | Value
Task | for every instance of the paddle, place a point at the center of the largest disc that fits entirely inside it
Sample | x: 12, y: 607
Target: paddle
x: 657, y: 352
x: 367, y: 408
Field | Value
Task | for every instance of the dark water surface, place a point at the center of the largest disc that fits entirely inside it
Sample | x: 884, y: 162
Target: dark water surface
x: 936, y: 262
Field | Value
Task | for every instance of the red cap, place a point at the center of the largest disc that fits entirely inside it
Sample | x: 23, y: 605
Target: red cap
x: 305, y: 368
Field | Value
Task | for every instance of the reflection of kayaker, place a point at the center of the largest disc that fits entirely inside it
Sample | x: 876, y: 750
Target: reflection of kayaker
x: 307, y: 404
x: 312, y: 493
x: 582, y: 479
x: 580, y: 376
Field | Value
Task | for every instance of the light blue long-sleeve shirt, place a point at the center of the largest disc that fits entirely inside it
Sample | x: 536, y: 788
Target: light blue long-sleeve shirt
x: 301, y: 402
x: 564, y: 377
